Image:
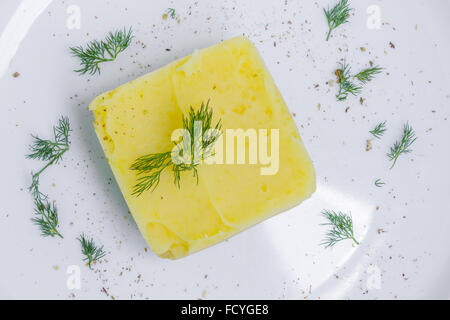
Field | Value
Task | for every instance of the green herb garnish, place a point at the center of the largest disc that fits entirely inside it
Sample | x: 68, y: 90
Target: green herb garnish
x: 402, y: 146
x: 337, y: 15
x: 52, y: 152
x: 90, y: 250
x: 379, y: 130
x: 346, y: 87
x: 46, y: 216
x: 150, y: 167
x: 368, y: 74
x: 97, y: 52
x: 171, y: 13
x: 341, y: 228
x: 378, y: 183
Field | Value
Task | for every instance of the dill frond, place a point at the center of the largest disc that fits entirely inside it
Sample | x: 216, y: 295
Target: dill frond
x: 46, y: 214
x: 379, y: 130
x: 402, y: 146
x: 368, y: 74
x: 338, y: 15
x: 378, y: 183
x: 47, y: 150
x: 346, y: 87
x: 150, y: 161
x: 204, y: 116
x: 150, y: 167
x: 97, y: 52
x: 92, y: 253
x: 171, y: 12
x: 341, y: 228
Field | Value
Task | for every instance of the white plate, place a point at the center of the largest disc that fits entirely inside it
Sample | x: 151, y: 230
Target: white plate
x: 280, y: 258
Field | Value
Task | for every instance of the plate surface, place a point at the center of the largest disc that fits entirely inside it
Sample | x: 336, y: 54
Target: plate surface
x: 403, y: 227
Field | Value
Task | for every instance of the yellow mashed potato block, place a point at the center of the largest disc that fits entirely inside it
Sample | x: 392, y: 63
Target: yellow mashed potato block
x: 138, y: 118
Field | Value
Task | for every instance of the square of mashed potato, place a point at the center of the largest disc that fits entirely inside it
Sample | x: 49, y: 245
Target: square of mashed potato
x: 139, y: 117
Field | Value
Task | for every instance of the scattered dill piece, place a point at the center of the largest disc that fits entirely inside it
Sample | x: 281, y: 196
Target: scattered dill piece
x: 341, y: 228
x: 97, y: 52
x: 150, y: 167
x: 118, y: 41
x: 402, y: 146
x: 368, y: 74
x: 171, y: 13
x: 346, y: 87
x: 46, y: 214
x: 90, y: 250
x: 379, y: 130
x: 46, y: 217
x: 51, y: 151
x: 378, y: 183
x: 337, y: 15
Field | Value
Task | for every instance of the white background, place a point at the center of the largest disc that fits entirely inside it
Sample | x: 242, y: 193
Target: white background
x: 280, y: 258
